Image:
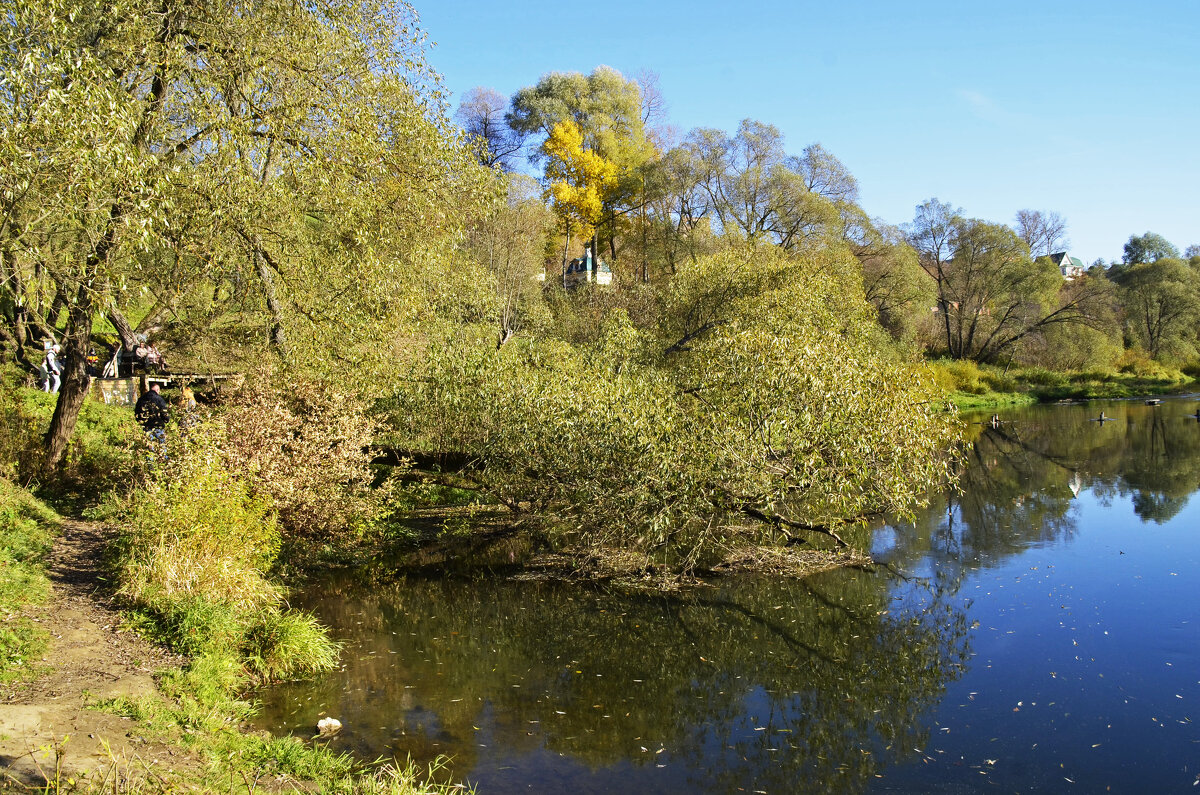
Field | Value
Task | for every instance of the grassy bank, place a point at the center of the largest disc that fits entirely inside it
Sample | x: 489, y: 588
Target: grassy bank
x: 976, y: 386
x: 195, y: 564
x: 26, y: 531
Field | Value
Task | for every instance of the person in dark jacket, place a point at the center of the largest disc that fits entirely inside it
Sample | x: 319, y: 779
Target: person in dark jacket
x: 151, y: 411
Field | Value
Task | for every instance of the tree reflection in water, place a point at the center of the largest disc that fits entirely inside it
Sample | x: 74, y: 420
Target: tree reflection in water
x: 754, y: 682
x: 1020, y: 480
x: 778, y: 683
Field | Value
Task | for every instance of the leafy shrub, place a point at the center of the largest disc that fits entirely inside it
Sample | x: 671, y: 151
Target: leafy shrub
x: 768, y: 401
x: 998, y: 381
x: 284, y: 644
x: 194, y: 555
x: 194, y: 531
x: 308, y: 449
x: 1138, y: 362
x: 1039, y: 376
x: 959, y: 375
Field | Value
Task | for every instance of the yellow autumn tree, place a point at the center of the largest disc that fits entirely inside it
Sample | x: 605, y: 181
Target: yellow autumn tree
x: 580, y: 179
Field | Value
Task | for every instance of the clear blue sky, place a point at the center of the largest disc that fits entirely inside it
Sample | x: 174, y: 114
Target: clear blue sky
x: 1089, y: 109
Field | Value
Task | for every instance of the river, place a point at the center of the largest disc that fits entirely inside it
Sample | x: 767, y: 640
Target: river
x: 1038, y: 630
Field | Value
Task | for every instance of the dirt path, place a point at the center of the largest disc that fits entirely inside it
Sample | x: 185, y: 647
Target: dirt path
x: 89, y: 658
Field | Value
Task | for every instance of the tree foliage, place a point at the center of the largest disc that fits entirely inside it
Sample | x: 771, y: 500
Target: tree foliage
x: 757, y: 191
x: 301, y: 150
x: 509, y: 242
x: 580, y: 180
x: 607, y: 110
x: 1149, y: 247
x: 1162, y: 307
x: 991, y: 295
x: 765, y: 405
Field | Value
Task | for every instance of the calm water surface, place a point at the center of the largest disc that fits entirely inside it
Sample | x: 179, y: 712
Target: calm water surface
x: 1039, y: 631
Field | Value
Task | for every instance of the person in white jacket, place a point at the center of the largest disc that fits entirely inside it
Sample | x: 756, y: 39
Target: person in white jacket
x: 53, y: 370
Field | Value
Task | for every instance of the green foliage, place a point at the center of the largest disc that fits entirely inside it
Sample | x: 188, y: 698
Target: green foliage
x: 962, y: 376
x: 759, y: 193
x: 105, y: 454
x: 195, y: 549
x: 992, y: 297
x: 1074, y: 347
x: 1149, y: 247
x: 206, y: 724
x: 605, y: 106
x: 766, y: 402
x: 507, y: 243
x: 988, y: 386
x: 1162, y: 308
x: 26, y: 532
x: 602, y: 169
x: 283, y: 645
x: 313, y: 213
x: 194, y: 532
x: 894, y: 282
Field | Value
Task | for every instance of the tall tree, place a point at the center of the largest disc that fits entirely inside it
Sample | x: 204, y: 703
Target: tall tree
x: 580, y: 180
x: 509, y: 240
x: 1162, y: 307
x: 481, y: 114
x: 991, y: 295
x: 1149, y: 247
x: 893, y: 280
x: 934, y: 234
x: 607, y: 109
x: 1043, y: 233
x: 301, y: 149
x: 759, y: 192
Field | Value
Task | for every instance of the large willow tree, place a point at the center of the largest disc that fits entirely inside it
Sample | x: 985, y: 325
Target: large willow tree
x: 299, y: 151
x: 766, y: 405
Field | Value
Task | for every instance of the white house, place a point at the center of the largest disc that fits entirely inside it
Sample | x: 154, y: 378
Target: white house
x: 1070, y: 267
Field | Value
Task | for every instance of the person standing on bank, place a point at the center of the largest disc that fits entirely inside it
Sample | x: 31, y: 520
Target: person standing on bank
x: 151, y: 411
x: 53, y: 369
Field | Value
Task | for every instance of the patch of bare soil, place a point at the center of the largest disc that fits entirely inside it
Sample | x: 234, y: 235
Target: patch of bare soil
x: 45, y: 724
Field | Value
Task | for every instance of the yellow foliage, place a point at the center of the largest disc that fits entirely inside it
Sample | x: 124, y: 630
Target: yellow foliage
x: 580, y: 179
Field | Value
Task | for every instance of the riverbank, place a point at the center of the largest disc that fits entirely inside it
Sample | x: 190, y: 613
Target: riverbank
x: 87, y: 704
x: 974, y: 386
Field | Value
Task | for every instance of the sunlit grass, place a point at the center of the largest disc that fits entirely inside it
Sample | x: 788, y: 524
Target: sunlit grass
x: 26, y: 533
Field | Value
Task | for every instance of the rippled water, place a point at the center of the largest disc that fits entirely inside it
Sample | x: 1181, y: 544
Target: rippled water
x: 1039, y: 630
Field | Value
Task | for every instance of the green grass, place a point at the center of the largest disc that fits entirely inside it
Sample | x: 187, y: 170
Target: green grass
x: 26, y: 532
x: 965, y: 401
x: 977, y: 386
x: 235, y: 759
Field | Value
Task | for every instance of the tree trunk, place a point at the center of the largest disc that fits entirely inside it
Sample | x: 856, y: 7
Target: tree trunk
x: 56, y: 308
x: 39, y: 297
x: 155, y: 322
x: 612, y: 239
x: 566, y: 248
x: 278, y: 338
x: 124, y: 330
x: 75, y: 381
x: 7, y: 340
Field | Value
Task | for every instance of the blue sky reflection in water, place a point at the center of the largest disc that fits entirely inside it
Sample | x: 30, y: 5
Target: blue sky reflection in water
x: 1050, y: 638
